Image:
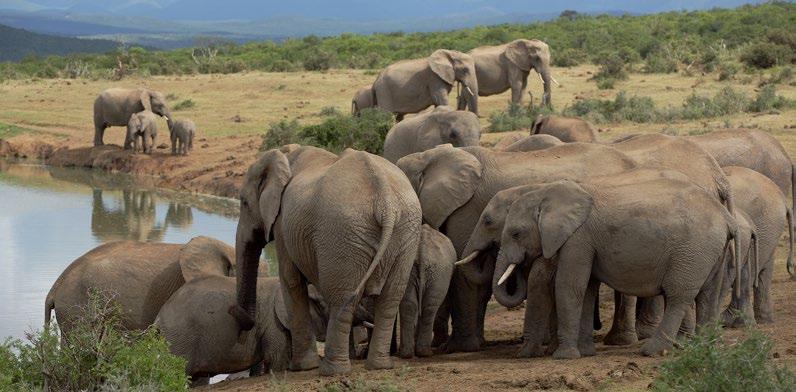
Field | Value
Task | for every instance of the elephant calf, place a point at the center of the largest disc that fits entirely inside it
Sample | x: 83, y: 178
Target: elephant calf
x: 198, y: 327
x: 443, y: 125
x: 182, y: 133
x: 364, y: 98
x: 567, y: 129
x: 142, y: 125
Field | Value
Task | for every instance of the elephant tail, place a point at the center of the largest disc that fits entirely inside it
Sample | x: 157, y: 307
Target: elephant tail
x: 49, y: 305
x: 790, y: 266
x: 735, y: 253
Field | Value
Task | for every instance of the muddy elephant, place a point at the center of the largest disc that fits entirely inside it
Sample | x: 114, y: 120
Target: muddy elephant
x: 195, y: 323
x: 566, y: 129
x: 182, y: 133
x: 503, y: 67
x: 139, y: 276
x: 114, y: 106
x: 597, y: 232
x: 769, y: 213
x: 753, y: 149
x: 428, y: 130
x: 144, y: 126
x: 455, y: 184
x: 533, y: 143
x: 410, y: 86
x: 428, y: 285
x: 347, y: 224
x: 364, y: 98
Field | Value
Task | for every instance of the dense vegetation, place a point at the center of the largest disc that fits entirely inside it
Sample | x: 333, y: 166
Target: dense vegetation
x: 760, y: 36
x: 15, y: 44
x: 97, y: 356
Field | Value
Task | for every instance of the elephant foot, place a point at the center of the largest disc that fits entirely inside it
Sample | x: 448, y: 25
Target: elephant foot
x: 467, y: 344
x: 378, y: 363
x: 424, y: 352
x: 620, y: 338
x: 655, y: 347
x: 587, y: 349
x: 329, y: 368
x: 308, y: 361
x: 645, y: 330
x: 529, y: 350
x: 199, y: 381
x: 764, y: 319
x: 405, y: 354
x: 566, y: 353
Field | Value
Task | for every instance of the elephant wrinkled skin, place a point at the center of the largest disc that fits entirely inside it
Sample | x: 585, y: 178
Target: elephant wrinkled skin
x: 114, y: 106
x: 427, y: 130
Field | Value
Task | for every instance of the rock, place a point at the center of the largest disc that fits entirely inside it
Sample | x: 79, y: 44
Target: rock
x: 162, y: 146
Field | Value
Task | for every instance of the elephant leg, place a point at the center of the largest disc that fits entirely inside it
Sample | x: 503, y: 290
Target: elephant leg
x: 518, y: 81
x: 676, y: 306
x: 688, y: 326
x: 386, y: 308
x: 430, y: 302
x: 708, y: 297
x: 465, y: 304
x: 99, y: 131
x: 461, y: 103
x: 764, y: 312
x: 336, y: 360
x: 294, y: 292
x: 174, y: 147
x: 572, y: 280
x: 539, y: 305
x: 623, y: 328
x: 408, y: 318
x: 257, y: 370
x: 442, y: 322
x: 586, y: 334
x: 738, y: 313
x: 649, y: 312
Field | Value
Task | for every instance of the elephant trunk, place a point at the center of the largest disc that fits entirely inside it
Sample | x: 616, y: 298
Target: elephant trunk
x: 547, y: 81
x: 502, y: 287
x: 470, y: 87
x: 247, y: 255
x: 474, y: 266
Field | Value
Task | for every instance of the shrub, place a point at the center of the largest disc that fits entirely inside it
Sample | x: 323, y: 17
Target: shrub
x: 184, y: 104
x: 515, y: 117
x: 767, y: 99
x: 281, y: 66
x: 765, y: 55
x: 281, y: 133
x: 318, y: 60
x: 709, y: 362
x: 97, y: 355
x: 569, y: 57
x: 606, y: 83
x: 622, y: 108
x: 330, y: 111
x: 660, y: 61
x: 726, y: 101
x: 727, y: 71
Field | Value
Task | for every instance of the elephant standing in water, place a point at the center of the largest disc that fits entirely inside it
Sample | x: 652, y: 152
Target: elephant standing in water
x: 442, y: 125
x: 503, y: 67
x: 139, y: 276
x: 349, y: 225
x: 410, y: 86
x: 114, y: 106
x: 455, y: 184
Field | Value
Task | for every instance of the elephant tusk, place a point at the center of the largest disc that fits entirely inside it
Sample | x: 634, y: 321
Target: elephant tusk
x: 469, y: 91
x: 554, y: 80
x: 507, y: 274
x: 166, y: 117
x: 368, y: 325
x: 467, y: 259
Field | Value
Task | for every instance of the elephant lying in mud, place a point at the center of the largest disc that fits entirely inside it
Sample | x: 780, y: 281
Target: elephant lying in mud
x: 139, y: 276
x: 198, y: 328
x: 114, y: 106
x: 144, y: 126
x: 410, y: 86
x: 566, y: 129
x: 349, y: 225
x: 428, y: 130
x: 609, y: 231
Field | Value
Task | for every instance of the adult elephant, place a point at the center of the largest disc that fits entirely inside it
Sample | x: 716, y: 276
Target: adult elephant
x: 455, y: 184
x: 139, y: 276
x: 410, y: 86
x: 503, y: 67
x: 114, y: 106
x: 348, y: 224
x: 428, y: 130
x: 566, y: 129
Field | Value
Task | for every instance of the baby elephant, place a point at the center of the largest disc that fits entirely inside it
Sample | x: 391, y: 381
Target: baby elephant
x: 144, y: 125
x: 567, y: 129
x: 198, y: 328
x: 427, y: 287
x: 182, y: 133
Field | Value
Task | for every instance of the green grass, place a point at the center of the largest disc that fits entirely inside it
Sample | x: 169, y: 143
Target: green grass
x: 8, y: 131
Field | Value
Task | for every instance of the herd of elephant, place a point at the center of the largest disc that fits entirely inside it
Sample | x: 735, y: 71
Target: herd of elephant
x: 424, y: 236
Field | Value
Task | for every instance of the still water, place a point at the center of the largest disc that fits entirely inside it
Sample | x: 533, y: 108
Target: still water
x: 51, y: 216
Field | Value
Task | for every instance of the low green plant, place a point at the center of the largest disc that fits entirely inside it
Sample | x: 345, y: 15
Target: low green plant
x: 281, y: 133
x: 330, y: 111
x: 709, y: 361
x: 184, y: 104
x: 515, y: 117
x: 767, y: 99
x: 7, y: 130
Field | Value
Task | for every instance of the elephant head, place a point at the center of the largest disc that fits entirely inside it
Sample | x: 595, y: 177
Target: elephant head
x: 532, y: 54
x: 155, y: 102
x: 444, y: 177
x: 452, y: 66
x: 454, y: 127
x: 203, y: 256
x: 539, y: 223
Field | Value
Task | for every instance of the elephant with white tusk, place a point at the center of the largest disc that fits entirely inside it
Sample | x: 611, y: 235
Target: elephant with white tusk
x: 410, y: 86
x: 114, y: 106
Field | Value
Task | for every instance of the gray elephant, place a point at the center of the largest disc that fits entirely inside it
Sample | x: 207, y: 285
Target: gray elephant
x: 144, y: 126
x: 566, y: 129
x: 182, y: 133
x: 364, y: 98
x: 428, y: 285
x: 114, y: 106
x: 349, y: 225
x: 455, y: 184
x: 533, y: 143
x: 613, y: 234
x: 195, y: 323
x: 428, y: 130
x: 410, y: 86
x: 139, y: 276
x: 503, y: 67
x: 752, y: 149
x: 769, y: 213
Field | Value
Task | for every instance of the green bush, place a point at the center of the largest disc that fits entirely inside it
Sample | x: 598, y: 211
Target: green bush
x: 184, y: 104
x: 726, y: 101
x: 569, y: 57
x: 515, y: 117
x: 765, y: 55
x: 621, y: 108
x: 727, y: 71
x: 281, y: 133
x: 660, y: 62
x: 709, y: 362
x: 767, y: 99
x: 97, y: 355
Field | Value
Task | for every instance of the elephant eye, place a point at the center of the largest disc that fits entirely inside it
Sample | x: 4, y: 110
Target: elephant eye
x: 515, y: 234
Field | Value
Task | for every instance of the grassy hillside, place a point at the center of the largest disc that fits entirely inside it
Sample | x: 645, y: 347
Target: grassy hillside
x: 762, y: 36
x: 15, y: 44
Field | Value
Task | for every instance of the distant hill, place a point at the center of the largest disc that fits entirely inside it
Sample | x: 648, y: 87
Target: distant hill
x: 17, y: 43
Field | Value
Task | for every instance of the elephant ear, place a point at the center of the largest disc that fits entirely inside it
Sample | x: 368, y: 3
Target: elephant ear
x: 146, y: 99
x: 564, y: 207
x: 203, y: 256
x: 517, y: 52
x: 265, y: 181
x: 440, y: 63
x: 444, y: 177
